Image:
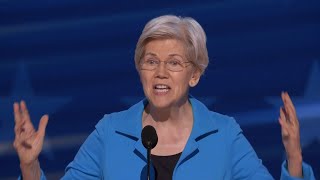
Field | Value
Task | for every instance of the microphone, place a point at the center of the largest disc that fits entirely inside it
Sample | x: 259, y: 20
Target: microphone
x: 149, y: 140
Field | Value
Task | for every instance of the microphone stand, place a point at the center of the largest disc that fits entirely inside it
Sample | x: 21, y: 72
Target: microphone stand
x: 149, y: 140
x: 148, y: 163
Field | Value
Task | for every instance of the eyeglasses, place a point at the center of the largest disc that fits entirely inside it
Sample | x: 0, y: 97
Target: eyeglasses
x: 172, y: 64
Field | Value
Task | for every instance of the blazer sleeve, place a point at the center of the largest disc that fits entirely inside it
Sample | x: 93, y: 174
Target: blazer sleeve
x: 247, y: 165
x: 87, y: 163
x: 306, y: 171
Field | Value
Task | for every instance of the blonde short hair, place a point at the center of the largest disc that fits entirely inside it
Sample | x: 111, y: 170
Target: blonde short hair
x: 185, y: 29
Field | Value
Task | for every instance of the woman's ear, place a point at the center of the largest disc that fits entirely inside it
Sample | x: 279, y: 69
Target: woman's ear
x: 195, y: 78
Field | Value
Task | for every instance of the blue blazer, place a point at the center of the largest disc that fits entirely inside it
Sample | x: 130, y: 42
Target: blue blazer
x: 216, y: 149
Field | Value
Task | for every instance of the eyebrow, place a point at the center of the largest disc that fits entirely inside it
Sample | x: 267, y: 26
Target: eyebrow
x: 176, y: 55
x: 171, y: 55
x: 149, y: 53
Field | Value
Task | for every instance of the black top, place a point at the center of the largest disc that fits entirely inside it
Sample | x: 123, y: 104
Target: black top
x: 164, y: 165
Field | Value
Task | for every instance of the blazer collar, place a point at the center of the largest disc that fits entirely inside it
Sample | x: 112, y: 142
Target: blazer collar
x: 203, y: 124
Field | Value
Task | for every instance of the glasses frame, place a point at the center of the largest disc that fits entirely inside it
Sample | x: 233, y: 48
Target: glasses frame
x: 165, y: 65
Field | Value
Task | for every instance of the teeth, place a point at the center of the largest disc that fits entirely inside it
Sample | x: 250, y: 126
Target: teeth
x: 161, y: 86
x: 162, y: 90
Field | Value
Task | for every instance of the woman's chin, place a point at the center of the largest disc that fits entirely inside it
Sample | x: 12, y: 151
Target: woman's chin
x: 160, y: 103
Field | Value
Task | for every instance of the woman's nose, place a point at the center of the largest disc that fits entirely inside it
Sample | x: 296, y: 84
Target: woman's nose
x: 161, y: 70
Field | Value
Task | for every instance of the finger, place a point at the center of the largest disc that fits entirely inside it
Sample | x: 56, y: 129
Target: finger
x: 38, y: 142
x: 16, y: 112
x: 283, y: 115
x: 284, y: 129
x: 284, y: 122
x: 22, y: 135
x: 26, y: 116
x: 25, y: 140
x: 289, y: 102
x: 290, y: 110
x: 288, y: 124
x: 19, y: 122
x: 23, y: 130
x: 42, y: 125
x: 293, y: 113
x: 18, y: 128
x: 24, y: 110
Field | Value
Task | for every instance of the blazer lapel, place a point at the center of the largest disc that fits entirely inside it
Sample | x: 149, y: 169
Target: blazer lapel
x: 131, y: 128
x: 203, y: 126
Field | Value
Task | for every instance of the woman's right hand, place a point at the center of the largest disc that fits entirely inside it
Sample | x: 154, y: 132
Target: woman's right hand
x: 28, y: 142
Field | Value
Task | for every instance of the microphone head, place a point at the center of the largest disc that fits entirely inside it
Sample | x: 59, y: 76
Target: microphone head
x: 149, y: 137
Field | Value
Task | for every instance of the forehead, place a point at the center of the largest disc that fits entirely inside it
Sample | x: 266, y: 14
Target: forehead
x: 160, y: 47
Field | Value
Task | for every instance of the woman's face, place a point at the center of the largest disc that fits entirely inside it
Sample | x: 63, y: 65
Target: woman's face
x: 166, y: 88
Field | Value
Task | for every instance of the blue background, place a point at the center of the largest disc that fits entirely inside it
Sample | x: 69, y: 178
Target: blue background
x: 74, y: 60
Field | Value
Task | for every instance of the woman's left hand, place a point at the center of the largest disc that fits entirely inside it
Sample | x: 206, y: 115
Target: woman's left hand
x: 290, y: 132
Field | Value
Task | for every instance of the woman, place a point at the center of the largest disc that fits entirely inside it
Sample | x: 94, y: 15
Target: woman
x: 194, y: 142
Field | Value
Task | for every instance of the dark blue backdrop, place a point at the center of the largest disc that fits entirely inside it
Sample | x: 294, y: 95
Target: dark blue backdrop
x: 74, y: 60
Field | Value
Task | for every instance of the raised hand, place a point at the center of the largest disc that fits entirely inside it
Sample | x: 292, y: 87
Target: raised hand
x: 28, y: 142
x: 290, y: 132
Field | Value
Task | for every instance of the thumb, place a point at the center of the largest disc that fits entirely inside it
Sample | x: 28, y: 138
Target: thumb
x: 42, y: 125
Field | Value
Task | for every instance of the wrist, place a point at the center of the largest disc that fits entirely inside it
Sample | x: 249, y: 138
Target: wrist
x: 30, y: 170
x: 295, y: 166
x: 296, y: 158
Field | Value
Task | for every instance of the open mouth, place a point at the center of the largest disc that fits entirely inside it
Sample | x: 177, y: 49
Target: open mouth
x: 161, y: 88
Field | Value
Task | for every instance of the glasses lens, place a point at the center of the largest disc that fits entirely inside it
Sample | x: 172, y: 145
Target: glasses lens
x: 149, y: 64
x: 174, y: 65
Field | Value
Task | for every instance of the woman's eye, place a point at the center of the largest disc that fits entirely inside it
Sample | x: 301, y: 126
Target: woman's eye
x: 151, y: 62
x: 174, y: 62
